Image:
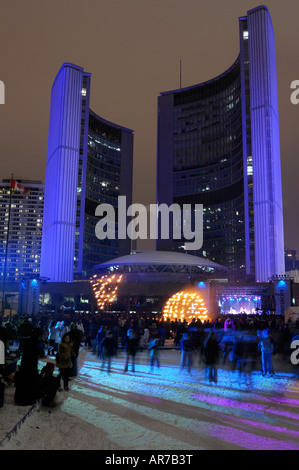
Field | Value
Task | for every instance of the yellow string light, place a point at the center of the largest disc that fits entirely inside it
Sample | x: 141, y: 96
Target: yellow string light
x: 105, y: 288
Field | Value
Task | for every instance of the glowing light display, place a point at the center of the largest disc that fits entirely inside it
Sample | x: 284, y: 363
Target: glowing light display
x: 105, y: 289
x: 185, y: 306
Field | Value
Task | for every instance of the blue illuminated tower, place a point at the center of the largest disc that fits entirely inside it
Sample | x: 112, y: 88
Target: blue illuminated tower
x: 89, y: 162
x: 218, y: 145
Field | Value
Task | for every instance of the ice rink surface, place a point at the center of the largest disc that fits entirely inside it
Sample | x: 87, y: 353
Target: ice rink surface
x: 166, y: 409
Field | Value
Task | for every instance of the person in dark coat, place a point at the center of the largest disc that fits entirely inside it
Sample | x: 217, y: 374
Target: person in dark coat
x: 100, y: 335
x: 131, y: 346
x: 108, y: 350
x: 48, y: 384
x: 93, y: 337
x: 26, y: 379
x: 154, y: 351
x: 51, y: 337
x: 64, y: 360
x: 75, y: 339
x: 24, y: 331
x: 4, y: 337
x: 186, y: 355
x: 211, y: 355
x: 266, y: 347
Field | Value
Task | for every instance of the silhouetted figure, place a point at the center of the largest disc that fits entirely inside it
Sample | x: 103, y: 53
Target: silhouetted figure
x: 131, y: 345
x: 48, y: 384
x: 64, y: 360
x: 239, y: 354
x: 100, y: 335
x: 93, y: 337
x: 26, y: 378
x: 266, y: 347
x: 211, y: 355
x: 108, y: 350
x: 75, y: 339
x: 154, y: 351
x: 51, y: 337
x: 187, y: 348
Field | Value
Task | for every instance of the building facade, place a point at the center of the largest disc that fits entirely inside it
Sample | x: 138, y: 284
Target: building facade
x: 89, y: 162
x: 21, y: 216
x: 218, y: 145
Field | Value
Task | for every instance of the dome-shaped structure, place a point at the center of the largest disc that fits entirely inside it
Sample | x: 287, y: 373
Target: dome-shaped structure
x: 160, y: 261
x: 150, y: 278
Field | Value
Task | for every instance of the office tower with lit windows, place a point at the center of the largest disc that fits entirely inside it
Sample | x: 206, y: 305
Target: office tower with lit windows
x: 89, y: 162
x: 21, y: 216
x: 218, y: 145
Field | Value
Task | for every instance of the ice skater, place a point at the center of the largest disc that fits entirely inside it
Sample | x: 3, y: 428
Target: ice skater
x: 211, y: 355
x: 131, y: 343
x: 154, y: 353
x: 108, y: 350
x: 266, y: 347
x: 187, y: 348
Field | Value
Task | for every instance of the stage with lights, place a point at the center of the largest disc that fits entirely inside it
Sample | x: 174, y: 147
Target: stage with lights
x: 175, y: 286
x: 145, y: 281
x: 171, y: 284
x: 236, y: 304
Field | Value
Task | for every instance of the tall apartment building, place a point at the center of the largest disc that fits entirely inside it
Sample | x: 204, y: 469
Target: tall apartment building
x: 89, y: 162
x: 25, y: 229
x: 219, y: 146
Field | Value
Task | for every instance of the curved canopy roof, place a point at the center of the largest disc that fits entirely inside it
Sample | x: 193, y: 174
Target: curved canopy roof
x: 160, y: 261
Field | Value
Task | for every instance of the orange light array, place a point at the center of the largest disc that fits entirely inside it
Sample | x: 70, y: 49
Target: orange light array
x: 105, y: 288
x: 185, y: 306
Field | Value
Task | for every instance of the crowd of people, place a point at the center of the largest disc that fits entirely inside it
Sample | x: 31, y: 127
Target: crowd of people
x: 240, y: 341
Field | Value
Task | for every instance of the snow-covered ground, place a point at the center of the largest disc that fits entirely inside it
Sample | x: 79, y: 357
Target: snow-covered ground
x: 167, y: 409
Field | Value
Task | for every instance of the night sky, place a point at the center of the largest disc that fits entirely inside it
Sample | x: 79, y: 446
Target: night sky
x: 133, y: 49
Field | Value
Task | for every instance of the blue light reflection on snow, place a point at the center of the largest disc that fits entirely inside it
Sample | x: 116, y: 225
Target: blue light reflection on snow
x: 247, y: 410
x: 122, y: 430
